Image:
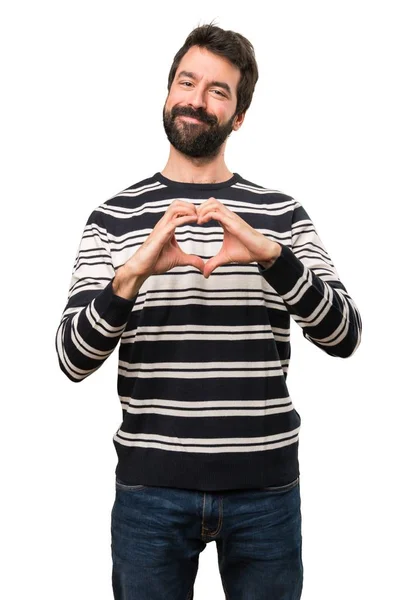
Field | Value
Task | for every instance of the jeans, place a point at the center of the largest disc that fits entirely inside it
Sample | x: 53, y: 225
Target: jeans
x: 158, y: 533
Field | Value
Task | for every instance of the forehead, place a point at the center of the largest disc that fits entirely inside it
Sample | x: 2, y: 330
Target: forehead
x: 211, y: 67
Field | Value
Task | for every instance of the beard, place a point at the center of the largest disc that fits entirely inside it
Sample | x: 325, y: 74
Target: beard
x: 198, y: 140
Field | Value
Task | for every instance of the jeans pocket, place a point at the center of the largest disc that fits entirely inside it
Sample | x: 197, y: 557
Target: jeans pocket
x: 127, y: 487
x: 281, y: 488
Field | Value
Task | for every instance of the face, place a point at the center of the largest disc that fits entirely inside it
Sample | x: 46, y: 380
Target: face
x: 199, y: 112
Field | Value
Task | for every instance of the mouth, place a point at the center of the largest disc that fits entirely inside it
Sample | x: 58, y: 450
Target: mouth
x: 191, y: 119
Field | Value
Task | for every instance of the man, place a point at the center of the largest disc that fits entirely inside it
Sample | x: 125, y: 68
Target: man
x: 196, y: 272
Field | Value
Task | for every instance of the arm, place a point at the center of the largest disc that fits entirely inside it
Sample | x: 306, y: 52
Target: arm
x: 101, y: 299
x: 94, y: 317
x: 304, y: 277
x: 309, y: 285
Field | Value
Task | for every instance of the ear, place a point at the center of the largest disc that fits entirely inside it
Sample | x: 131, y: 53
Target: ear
x: 238, y: 121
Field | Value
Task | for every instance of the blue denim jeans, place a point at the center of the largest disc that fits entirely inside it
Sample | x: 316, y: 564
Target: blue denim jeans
x: 158, y: 533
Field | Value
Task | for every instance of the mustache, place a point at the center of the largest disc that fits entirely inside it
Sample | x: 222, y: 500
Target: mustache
x: 200, y: 114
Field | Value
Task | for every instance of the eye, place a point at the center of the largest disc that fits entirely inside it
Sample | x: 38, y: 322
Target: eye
x: 219, y: 93
x: 186, y: 82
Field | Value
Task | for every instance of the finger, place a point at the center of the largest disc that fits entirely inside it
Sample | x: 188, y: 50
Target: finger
x: 179, y: 220
x: 178, y: 208
x: 216, y: 261
x: 187, y: 259
x: 213, y: 213
x: 212, y: 204
x: 211, y: 199
x: 191, y: 260
x: 162, y: 233
x: 181, y: 207
x: 208, y: 205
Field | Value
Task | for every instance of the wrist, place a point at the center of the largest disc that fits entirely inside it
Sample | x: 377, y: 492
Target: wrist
x: 275, y: 250
x: 126, y: 284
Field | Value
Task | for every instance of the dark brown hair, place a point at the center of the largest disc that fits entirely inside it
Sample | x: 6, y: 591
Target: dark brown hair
x: 230, y: 45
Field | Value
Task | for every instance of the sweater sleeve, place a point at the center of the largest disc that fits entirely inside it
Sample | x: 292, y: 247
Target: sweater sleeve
x: 309, y: 285
x: 94, y: 318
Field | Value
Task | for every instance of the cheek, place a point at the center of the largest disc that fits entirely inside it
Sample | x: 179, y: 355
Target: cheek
x: 173, y: 99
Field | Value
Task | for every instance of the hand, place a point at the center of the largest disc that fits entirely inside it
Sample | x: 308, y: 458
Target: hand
x: 241, y: 244
x: 159, y: 253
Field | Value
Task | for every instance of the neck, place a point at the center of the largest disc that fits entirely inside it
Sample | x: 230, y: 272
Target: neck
x: 186, y: 169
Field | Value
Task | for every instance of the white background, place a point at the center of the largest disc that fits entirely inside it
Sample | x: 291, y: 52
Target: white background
x: 83, y: 85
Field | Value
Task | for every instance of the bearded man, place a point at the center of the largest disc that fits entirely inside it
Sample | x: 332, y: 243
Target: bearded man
x: 195, y: 273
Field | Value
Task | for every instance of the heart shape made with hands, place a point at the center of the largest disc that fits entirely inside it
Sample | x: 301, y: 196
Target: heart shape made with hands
x: 241, y: 243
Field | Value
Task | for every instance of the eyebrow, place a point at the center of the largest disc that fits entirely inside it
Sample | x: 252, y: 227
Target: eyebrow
x: 220, y: 84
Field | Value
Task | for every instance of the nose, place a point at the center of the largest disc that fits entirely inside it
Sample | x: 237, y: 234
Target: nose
x: 197, y: 97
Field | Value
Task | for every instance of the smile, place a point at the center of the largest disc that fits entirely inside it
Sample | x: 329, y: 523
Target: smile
x: 190, y: 119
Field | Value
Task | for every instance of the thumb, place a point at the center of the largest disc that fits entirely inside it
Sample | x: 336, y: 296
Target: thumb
x: 192, y: 260
x: 214, y: 262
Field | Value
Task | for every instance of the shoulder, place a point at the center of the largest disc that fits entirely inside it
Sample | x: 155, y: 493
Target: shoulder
x: 129, y: 200
x: 249, y: 191
x: 136, y: 193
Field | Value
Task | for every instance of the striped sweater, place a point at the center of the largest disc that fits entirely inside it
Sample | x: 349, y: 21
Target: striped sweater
x: 203, y: 362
